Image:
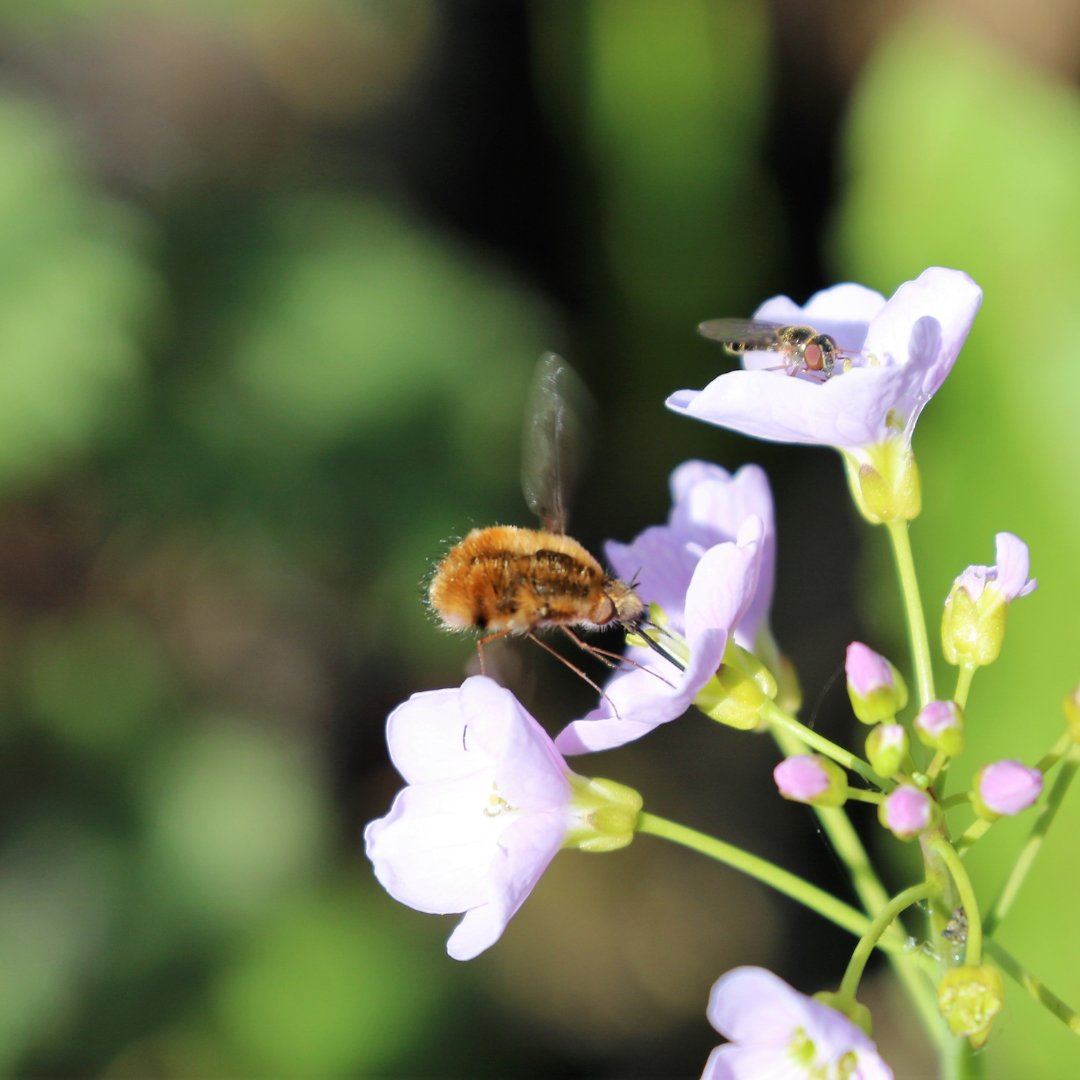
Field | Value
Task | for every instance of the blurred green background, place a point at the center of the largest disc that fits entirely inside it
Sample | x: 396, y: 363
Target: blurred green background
x: 273, y: 278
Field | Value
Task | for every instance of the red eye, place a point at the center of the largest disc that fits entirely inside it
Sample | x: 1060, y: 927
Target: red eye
x: 812, y: 357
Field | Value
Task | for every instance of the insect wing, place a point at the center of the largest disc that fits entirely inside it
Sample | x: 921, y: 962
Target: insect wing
x: 743, y: 334
x: 553, y: 440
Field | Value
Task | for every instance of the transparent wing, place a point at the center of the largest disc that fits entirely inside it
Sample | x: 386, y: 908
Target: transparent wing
x: 743, y: 333
x: 554, y: 437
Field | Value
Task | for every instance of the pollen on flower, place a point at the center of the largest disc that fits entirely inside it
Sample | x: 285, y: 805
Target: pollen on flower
x: 496, y: 805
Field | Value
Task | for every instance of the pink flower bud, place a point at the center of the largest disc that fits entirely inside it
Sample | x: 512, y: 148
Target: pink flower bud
x: 940, y: 725
x: 906, y: 812
x: 875, y: 687
x: 809, y: 778
x: 1005, y: 788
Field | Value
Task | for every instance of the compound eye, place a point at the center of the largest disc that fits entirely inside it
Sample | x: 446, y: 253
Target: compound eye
x: 813, y: 357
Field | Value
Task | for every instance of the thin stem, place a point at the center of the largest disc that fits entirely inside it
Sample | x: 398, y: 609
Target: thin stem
x: 862, y: 795
x: 1023, y: 864
x: 778, y: 719
x: 1047, y: 998
x: 909, y: 592
x: 881, y: 922
x: 783, y: 881
x: 966, y: 893
x: 964, y: 676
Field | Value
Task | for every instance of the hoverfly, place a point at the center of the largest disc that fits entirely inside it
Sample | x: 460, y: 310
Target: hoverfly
x: 802, y: 348
x: 503, y: 579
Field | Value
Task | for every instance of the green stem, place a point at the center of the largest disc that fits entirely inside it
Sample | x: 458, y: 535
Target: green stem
x: 779, y: 721
x: 966, y: 892
x: 909, y: 591
x: 1047, y: 998
x: 881, y: 922
x: 1023, y: 864
x: 783, y: 881
x: 964, y: 675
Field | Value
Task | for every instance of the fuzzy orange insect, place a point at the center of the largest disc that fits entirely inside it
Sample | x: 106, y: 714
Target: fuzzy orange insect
x: 503, y: 579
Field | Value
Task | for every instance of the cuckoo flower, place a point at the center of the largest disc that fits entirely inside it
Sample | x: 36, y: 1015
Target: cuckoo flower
x: 774, y: 1031
x: 901, y: 352
x: 488, y: 804
x: 709, y: 506
x: 721, y: 587
x: 973, y: 623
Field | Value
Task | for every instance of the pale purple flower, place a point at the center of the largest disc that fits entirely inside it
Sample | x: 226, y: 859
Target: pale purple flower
x: 637, y: 699
x: 1008, y: 576
x: 1007, y: 787
x: 709, y: 506
x: 488, y: 804
x: 906, y: 812
x: 775, y: 1031
x: 810, y: 778
x: 904, y: 348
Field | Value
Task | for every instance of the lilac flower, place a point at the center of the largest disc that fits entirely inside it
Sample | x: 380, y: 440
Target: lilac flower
x: 489, y: 802
x: 1004, y: 788
x: 1007, y: 578
x: 709, y: 506
x: 904, y: 348
x: 722, y: 585
x: 973, y: 623
x: 774, y: 1031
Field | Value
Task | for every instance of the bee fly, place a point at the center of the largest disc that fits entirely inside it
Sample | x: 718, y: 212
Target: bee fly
x: 503, y: 579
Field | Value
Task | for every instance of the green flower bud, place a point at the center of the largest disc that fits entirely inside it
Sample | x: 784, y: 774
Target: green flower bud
x: 969, y: 998
x: 887, y: 748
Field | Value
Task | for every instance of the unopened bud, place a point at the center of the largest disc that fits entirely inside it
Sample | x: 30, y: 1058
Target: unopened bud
x: 876, y: 688
x: 907, y: 811
x: 969, y: 998
x: 940, y: 725
x: 1004, y: 788
x: 887, y: 748
x: 812, y: 779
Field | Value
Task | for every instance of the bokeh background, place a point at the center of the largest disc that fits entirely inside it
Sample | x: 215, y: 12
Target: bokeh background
x: 273, y: 280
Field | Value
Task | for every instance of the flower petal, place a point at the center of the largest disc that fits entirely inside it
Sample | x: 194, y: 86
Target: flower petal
x: 1013, y: 563
x: 426, y: 737
x: 525, y: 850
x: 433, y: 850
x: 530, y: 774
